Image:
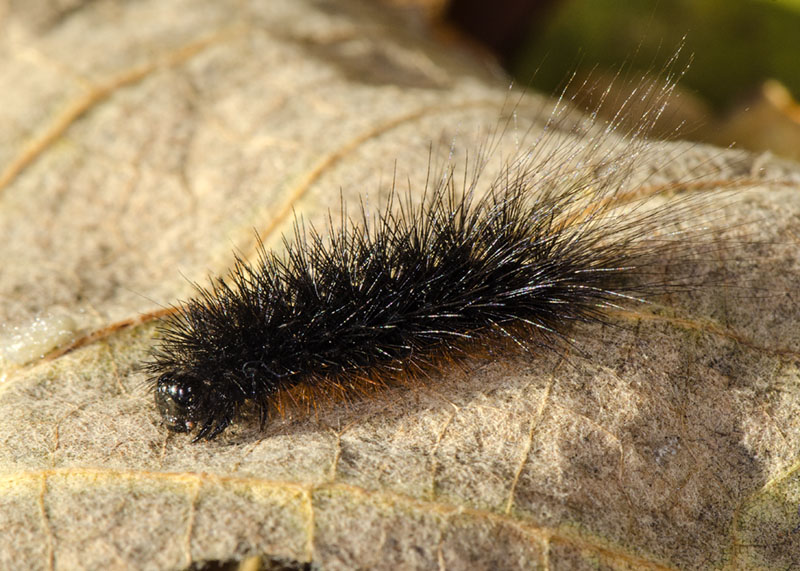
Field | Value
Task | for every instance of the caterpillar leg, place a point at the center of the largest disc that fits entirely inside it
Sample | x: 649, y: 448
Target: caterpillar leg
x: 214, y: 426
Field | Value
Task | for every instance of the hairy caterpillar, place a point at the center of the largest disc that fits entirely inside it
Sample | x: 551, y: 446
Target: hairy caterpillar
x: 557, y: 237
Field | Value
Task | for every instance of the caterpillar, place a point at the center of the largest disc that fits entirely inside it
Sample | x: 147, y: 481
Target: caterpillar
x: 482, y: 264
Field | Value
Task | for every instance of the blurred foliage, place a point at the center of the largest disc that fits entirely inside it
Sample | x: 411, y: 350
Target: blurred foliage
x: 736, y: 44
x: 741, y: 87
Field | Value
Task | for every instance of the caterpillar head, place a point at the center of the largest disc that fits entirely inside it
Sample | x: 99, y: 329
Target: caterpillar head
x: 180, y: 400
x: 185, y: 402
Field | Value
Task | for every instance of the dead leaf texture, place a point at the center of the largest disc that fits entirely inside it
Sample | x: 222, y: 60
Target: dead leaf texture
x: 141, y: 144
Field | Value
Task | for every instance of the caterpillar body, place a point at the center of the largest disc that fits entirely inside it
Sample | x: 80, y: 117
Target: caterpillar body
x: 558, y: 237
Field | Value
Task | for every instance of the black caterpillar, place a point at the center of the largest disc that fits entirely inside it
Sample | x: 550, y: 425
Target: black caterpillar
x: 554, y: 240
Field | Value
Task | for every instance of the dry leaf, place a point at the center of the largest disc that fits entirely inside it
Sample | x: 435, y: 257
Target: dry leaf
x: 141, y: 144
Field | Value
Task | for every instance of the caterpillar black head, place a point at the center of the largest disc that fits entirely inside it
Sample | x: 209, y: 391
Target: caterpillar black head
x: 182, y: 400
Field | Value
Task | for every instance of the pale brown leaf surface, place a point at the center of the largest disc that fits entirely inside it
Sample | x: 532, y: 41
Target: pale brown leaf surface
x: 142, y: 143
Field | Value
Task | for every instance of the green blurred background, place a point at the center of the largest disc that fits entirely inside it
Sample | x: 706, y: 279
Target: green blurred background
x: 741, y: 87
x: 737, y: 44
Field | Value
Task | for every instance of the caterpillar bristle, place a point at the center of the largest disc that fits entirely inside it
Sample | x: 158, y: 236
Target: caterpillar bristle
x: 561, y: 235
